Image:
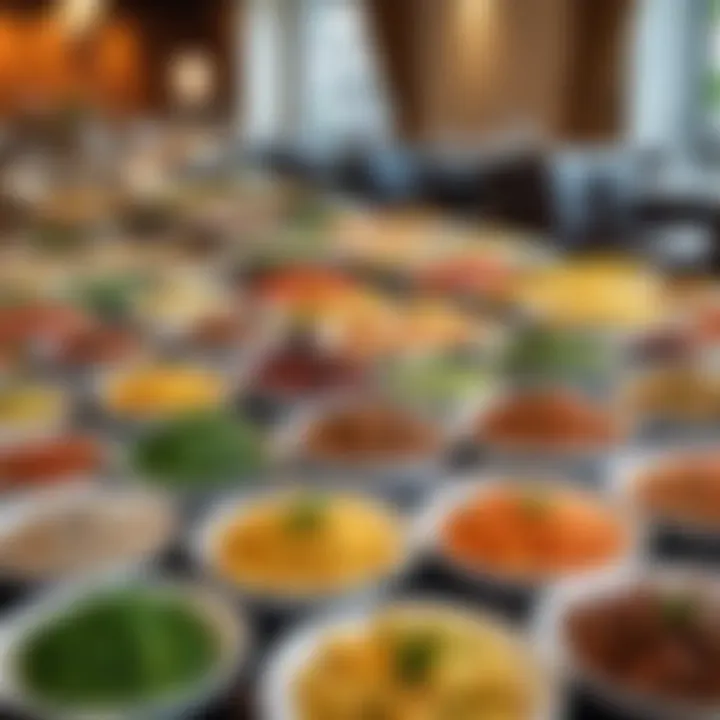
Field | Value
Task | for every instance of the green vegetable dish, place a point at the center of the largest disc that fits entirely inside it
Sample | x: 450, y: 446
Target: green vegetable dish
x: 121, y: 648
x: 438, y: 379
x: 198, y: 450
x: 556, y: 354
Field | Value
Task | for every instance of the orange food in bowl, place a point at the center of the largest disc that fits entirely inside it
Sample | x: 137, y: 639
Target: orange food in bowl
x: 555, y: 418
x: 305, y: 286
x: 686, y: 489
x: 533, y: 532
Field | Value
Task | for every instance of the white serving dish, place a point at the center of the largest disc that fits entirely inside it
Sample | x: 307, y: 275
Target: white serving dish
x: 383, y: 471
x: 231, y: 629
x: 629, y: 469
x: 276, y: 684
x: 25, y: 508
x: 206, y: 534
x: 553, y: 645
x: 430, y: 521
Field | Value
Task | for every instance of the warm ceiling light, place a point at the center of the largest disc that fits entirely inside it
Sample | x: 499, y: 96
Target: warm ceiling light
x: 192, y: 78
x: 77, y: 16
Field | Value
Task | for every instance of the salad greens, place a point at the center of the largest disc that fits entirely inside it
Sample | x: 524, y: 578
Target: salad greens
x: 110, y: 298
x: 436, y: 379
x: 555, y: 354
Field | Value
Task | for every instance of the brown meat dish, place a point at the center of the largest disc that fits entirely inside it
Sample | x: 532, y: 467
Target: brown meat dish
x: 687, y: 488
x: 547, y: 417
x: 370, y: 431
x: 656, y: 642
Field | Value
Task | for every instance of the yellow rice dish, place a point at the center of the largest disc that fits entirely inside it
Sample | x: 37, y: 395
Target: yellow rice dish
x: 298, y: 544
x: 30, y: 406
x: 600, y: 294
x: 419, y: 663
x: 163, y: 390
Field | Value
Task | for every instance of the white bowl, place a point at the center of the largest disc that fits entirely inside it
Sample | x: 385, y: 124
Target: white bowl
x: 291, y: 450
x: 276, y: 684
x: 30, y: 507
x: 626, y: 474
x: 473, y: 416
x: 205, y: 537
x: 104, y: 381
x: 552, y: 642
x: 231, y: 630
x: 430, y: 521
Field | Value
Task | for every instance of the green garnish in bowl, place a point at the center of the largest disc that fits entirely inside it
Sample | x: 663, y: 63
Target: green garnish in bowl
x: 307, y: 514
x: 198, y: 450
x: 415, y: 656
x: 110, y: 298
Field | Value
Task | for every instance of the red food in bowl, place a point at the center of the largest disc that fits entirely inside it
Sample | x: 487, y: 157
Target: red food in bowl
x: 22, y: 324
x: 97, y: 345
x: 49, y: 461
x: 295, y: 371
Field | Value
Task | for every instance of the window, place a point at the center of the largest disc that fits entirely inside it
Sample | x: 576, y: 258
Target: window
x: 342, y: 98
x: 312, y: 72
x: 711, y: 89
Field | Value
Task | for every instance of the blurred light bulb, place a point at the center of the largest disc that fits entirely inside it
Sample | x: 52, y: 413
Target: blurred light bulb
x: 77, y: 16
x: 192, y: 78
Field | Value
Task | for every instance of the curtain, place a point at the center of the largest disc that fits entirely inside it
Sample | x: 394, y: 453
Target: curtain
x: 397, y: 27
x: 596, y: 69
